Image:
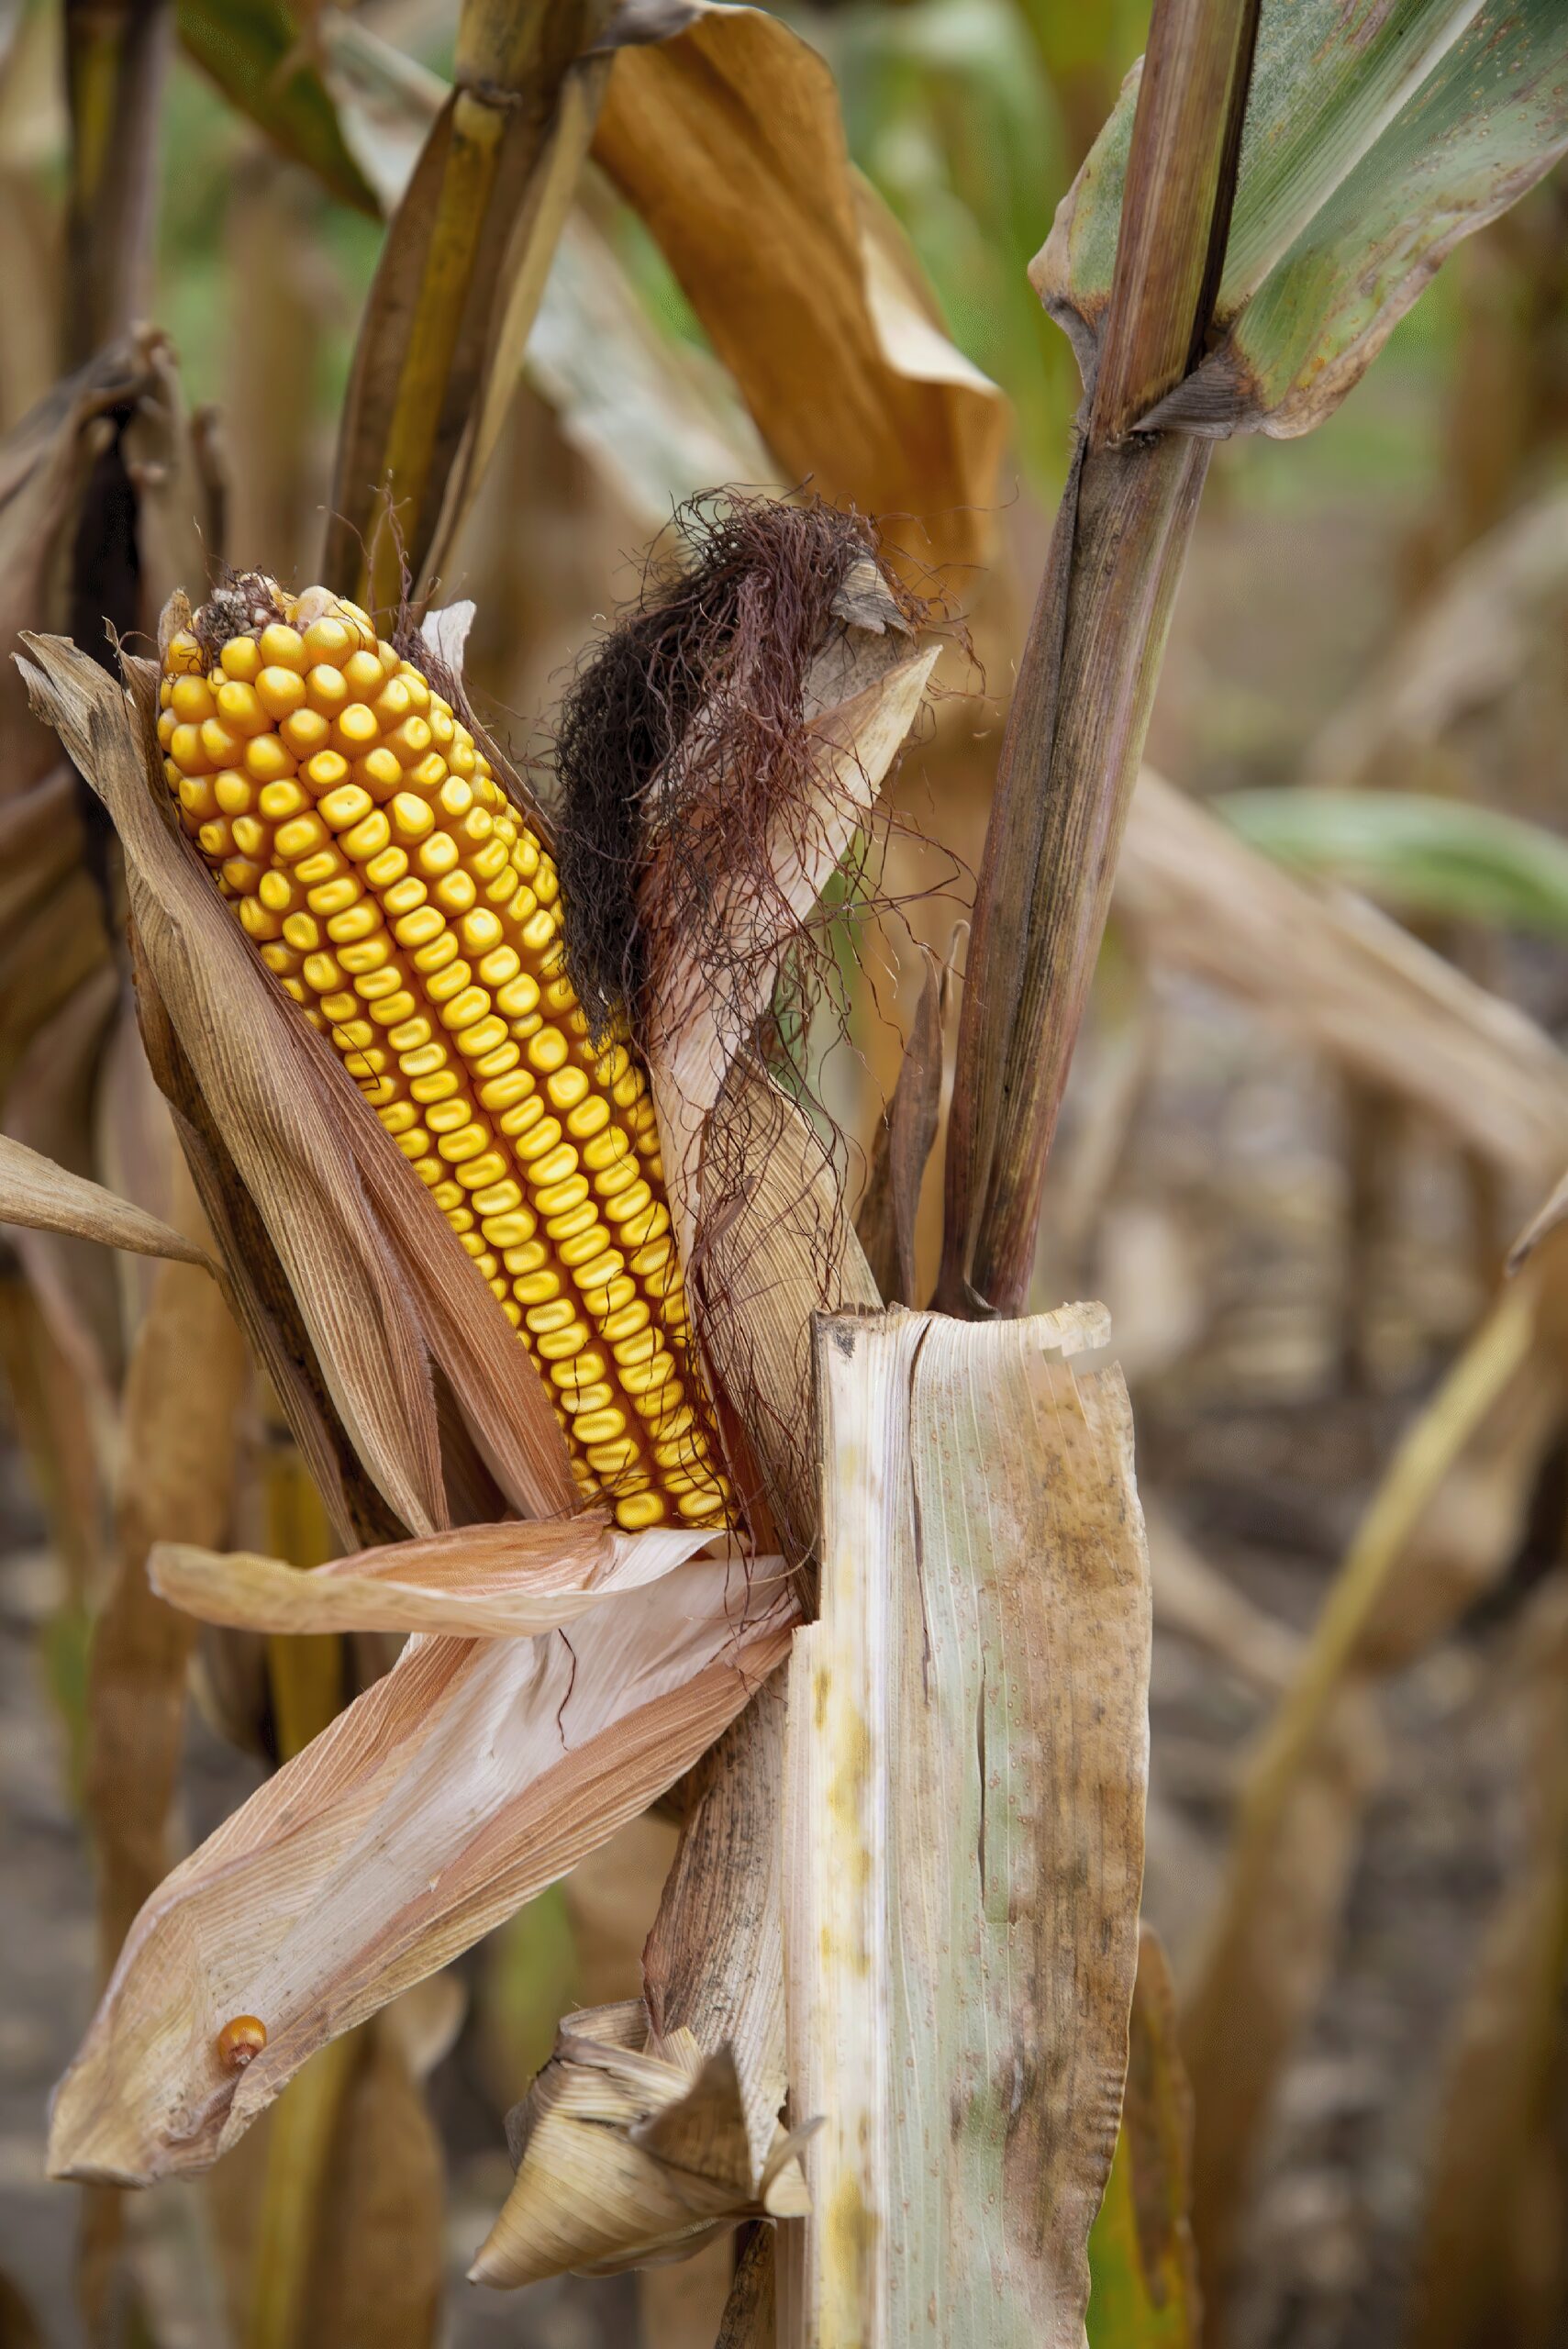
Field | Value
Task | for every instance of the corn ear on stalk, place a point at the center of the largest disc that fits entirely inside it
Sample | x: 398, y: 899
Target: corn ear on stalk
x: 399, y: 897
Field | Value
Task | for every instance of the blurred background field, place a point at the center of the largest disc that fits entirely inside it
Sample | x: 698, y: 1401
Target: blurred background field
x: 1295, y: 1256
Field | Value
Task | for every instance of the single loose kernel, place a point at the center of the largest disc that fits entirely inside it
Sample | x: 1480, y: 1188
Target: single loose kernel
x: 240, y: 2040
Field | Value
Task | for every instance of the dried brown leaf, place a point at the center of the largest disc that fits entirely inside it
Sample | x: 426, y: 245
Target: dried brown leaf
x: 727, y: 139
x: 885, y: 1225
x: 629, y: 2147
x: 485, y: 1581
x: 181, y: 1410
x: 46, y: 1198
x: 1329, y: 967
x: 474, y: 1774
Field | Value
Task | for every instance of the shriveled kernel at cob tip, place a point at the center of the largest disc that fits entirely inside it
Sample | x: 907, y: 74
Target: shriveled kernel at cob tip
x: 403, y: 903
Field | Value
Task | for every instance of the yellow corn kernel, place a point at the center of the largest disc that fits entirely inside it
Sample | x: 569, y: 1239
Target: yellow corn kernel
x: 240, y: 659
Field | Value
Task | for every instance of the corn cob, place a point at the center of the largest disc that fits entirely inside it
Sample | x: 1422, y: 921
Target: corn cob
x: 398, y: 897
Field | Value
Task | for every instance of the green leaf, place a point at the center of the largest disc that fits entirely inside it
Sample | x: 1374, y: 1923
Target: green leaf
x: 1435, y: 858
x: 1143, y: 2278
x: 1378, y: 134
x: 255, y: 52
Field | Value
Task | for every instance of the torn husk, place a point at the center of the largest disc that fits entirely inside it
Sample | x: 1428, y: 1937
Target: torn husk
x: 720, y: 756
x: 387, y: 1295
x: 474, y: 1774
x: 630, y: 2148
x: 505, y: 1581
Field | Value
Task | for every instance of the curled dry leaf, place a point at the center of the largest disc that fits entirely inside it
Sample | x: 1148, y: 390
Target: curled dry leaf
x: 1332, y: 969
x: 957, y: 2003
x: 101, y: 503
x: 482, y: 1582
x: 42, y: 1197
x: 474, y: 1774
x: 727, y: 139
x: 630, y: 2147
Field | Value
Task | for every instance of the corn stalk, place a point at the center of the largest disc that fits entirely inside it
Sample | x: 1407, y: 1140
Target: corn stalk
x: 1086, y: 682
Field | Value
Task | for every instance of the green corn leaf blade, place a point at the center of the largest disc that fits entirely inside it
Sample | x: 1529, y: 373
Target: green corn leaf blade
x: 1435, y: 859
x: 1143, y: 2278
x: 1378, y: 134
x: 253, y: 50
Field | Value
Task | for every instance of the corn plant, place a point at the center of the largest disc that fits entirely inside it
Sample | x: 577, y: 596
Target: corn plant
x: 507, y: 1174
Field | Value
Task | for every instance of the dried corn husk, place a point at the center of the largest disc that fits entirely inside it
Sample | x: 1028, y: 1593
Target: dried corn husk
x: 42, y: 1197
x: 769, y: 1255
x: 483, y: 1582
x: 863, y: 696
x: 474, y: 1774
x: 630, y: 2146
x: 386, y: 1294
